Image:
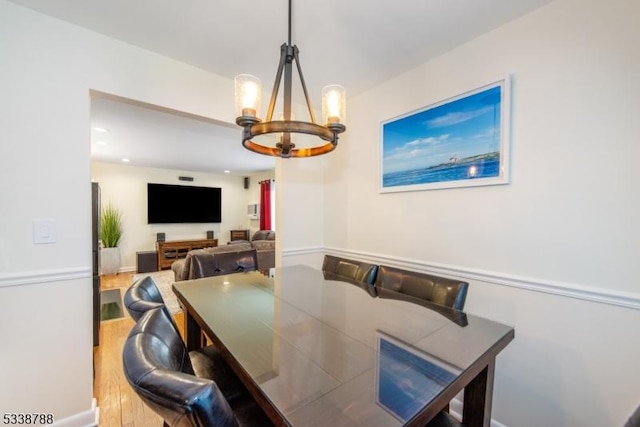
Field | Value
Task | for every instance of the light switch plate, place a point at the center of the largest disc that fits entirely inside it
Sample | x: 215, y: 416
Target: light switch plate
x: 44, y: 231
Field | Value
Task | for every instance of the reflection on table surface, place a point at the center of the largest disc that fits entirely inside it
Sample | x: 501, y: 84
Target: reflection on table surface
x: 321, y: 350
x: 408, y: 379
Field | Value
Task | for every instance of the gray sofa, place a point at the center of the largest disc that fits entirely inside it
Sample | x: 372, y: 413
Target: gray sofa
x: 260, y: 235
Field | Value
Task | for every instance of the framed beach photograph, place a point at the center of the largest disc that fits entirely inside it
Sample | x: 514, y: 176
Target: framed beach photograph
x: 407, y: 379
x: 462, y: 141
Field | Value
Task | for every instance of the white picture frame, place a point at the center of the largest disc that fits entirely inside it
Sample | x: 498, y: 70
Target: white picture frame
x: 462, y: 141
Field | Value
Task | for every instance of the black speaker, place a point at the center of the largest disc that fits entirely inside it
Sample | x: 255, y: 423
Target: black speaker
x: 147, y: 261
x: 160, y: 237
x: 209, y: 234
x: 246, y: 182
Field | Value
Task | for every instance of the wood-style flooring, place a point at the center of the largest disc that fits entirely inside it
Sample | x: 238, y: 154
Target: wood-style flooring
x: 118, y: 403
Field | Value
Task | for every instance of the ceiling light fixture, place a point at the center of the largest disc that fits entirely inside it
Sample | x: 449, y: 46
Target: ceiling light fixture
x: 247, y: 102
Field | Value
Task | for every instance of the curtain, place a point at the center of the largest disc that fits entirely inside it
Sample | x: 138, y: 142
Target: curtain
x: 265, y: 205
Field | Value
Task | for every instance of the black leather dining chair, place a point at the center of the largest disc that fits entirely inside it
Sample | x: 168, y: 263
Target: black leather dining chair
x: 216, y: 264
x: 634, y: 419
x: 413, y: 286
x: 356, y: 272
x: 142, y: 296
x: 350, y: 269
x: 159, y: 369
x: 443, y: 295
x: 342, y: 268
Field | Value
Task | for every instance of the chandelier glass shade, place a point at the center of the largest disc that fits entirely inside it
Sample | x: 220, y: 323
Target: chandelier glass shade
x: 248, y: 101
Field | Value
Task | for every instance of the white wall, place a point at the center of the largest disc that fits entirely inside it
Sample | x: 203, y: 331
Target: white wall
x: 300, y: 201
x: 569, y: 219
x: 48, y: 69
x: 126, y: 187
x: 567, y: 224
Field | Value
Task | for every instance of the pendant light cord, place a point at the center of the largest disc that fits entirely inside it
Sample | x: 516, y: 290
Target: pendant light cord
x: 289, y: 38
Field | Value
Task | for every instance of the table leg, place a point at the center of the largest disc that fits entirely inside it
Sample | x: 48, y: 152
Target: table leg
x: 192, y: 332
x: 478, y: 397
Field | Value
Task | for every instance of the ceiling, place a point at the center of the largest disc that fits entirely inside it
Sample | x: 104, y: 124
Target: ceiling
x: 345, y: 42
x: 150, y: 136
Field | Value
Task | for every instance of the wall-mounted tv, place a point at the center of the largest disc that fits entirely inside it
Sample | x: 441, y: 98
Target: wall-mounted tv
x: 172, y: 204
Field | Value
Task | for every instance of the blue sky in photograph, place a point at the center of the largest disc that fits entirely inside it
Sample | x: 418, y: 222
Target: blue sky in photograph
x: 461, y: 128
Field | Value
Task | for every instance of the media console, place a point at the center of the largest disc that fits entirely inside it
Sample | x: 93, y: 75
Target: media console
x: 169, y: 251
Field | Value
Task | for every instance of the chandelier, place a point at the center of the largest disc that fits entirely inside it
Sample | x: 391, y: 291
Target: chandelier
x: 247, y: 103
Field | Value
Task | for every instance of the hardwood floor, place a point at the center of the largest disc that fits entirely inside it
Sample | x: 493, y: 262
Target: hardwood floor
x: 119, y: 404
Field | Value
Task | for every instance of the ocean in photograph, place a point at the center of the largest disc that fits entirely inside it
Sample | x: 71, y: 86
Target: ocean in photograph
x: 487, y: 167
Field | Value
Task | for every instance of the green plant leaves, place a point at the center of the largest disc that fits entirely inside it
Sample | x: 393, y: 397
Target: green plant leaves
x: 110, y: 226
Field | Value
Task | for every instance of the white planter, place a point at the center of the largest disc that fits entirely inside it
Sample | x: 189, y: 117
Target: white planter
x: 109, y: 260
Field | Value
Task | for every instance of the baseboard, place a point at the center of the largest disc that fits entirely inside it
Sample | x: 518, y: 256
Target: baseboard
x: 568, y: 290
x: 88, y: 418
x: 128, y: 269
x: 455, y: 409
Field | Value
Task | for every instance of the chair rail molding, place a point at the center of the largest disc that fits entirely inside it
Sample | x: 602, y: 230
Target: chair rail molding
x: 310, y: 250
x: 569, y: 290
x: 44, y: 276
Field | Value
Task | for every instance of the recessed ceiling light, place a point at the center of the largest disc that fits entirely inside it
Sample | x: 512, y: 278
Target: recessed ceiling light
x: 125, y: 160
x: 227, y: 171
x: 103, y: 130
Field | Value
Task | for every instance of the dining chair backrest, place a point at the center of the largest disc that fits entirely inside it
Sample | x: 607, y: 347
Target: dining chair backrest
x: 158, y: 368
x: 634, y: 419
x: 216, y: 264
x: 350, y: 269
x: 142, y: 296
x: 409, y: 285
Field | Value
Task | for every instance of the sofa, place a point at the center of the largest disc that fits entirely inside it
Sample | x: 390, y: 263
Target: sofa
x: 262, y: 241
x: 258, y: 236
x: 216, y: 264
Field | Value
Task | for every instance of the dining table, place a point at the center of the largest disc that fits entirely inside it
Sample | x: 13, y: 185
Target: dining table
x: 317, y: 351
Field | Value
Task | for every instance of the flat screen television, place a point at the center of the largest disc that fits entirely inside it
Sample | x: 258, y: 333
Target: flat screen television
x: 172, y: 204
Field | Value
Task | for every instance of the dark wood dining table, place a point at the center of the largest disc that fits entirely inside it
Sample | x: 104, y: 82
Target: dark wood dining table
x: 320, y: 352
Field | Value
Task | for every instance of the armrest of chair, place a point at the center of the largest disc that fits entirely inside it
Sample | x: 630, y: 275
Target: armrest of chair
x: 179, y: 270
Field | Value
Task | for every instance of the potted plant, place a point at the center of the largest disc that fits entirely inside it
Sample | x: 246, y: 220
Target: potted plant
x: 110, y: 235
